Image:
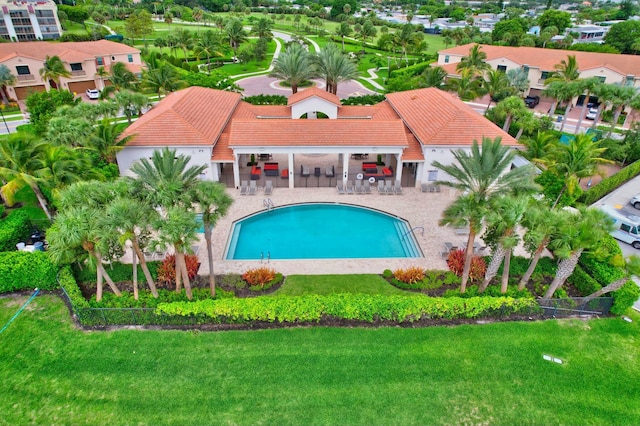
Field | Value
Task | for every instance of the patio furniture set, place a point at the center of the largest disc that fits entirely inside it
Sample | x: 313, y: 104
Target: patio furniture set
x: 364, y: 187
x: 251, y: 188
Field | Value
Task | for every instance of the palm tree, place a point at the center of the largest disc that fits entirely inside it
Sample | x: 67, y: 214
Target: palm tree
x: 293, y: 66
x: 622, y: 97
x: 539, y: 146
x: 482, y: 174
x: 367, y: 30
x: 105, y: 140
x: 184, y: 40
x: 262, y: 28
x: 582, y: 230
x: 510, y: 108
x: 334, y: 66
x: 406, y: 37
x: 503, y: 216
x: 495, y: 83
x: 131, y: 103
x: 566, y: 71
x: 21, y: 165
x: 52, y: 70
x: 162, y: 80
x: 6, y: 79
x: 434, y: 77
x: 474, y: 62
x: 131, y: 218
x: 467, y: 87
x: 588, y: 86
x: 631, y: 268
x: 235, y: 34
x: 527, y: 122
x: 518, y: 80
x: 210, y: 44
x: 578, y: 159
x: 120, y: 78
x: 343, y: 30
x: 213, y: 202
x: 540, y: 223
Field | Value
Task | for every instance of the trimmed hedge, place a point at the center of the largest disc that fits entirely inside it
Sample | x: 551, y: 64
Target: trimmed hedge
x: 21, y: 270
x: 15, y: 228
x: 625, y: 297
x: 606, y: 185
x: 70, y: 286
x: 367, y: 308
x: 583, y: 282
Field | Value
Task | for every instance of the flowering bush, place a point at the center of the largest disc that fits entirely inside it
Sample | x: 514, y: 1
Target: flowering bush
x: 167, y: 270
x: 455, y: 261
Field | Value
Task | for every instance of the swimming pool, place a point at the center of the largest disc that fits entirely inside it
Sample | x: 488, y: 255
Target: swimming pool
x: 321, y: 231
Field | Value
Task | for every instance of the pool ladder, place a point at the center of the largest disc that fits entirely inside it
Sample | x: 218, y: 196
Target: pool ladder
x: 267, y: 203
x: 262, y: 256
x: 413, y: 229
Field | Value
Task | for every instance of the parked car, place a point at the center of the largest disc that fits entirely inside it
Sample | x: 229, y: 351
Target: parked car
x: 93, y: 93
x: 532, y: 101
x: 592, y: 114
x: 635, y: 201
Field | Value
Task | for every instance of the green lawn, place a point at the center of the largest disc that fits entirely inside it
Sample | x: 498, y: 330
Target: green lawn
x: 52, y: 373
x: 296, y: 285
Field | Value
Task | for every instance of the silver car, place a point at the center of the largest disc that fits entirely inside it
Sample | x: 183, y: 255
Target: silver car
x: 93, y: 93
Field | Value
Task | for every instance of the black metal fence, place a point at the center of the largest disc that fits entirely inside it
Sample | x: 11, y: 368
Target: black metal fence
x: 573, y: 306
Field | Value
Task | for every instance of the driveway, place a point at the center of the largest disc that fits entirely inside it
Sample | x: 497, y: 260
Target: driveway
x: 265, y: 85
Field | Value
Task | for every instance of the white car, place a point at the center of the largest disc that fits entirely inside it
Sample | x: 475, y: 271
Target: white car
x: 93, y: 93
x: 592, y: 114
x: 635, y: 202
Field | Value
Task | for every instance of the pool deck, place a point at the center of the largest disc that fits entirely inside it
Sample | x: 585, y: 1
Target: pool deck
x: 418, y: 208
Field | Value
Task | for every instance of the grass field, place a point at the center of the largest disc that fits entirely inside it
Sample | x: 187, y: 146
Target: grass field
x: 297, y: 285
x: 52, y: 373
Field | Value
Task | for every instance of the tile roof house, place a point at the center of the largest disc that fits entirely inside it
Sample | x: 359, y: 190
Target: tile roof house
x: 539, y: 63
x: 218, y: 129
x: 81, y: 59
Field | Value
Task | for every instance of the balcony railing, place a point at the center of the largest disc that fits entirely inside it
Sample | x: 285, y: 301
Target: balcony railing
x: 78, y: 73
x: 26, y: 77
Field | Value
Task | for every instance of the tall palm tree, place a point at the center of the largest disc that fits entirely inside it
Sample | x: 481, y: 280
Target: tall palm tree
x: 495, y: 83
x: 468, y: 86
x: 503, y: 217
x: 367, y: 30
x: 131, y: 103
x: 6, y: 79
x: 621, y: 98
x: 405, y: 38
x: 105, y: 140
x: 213, y: 202
x: 21, y: 165
x: 262, y: 28
x: 184, y: 40
x: 132, y: 218
x: 208, y: 45
x: 578, y: 159
x: 434, y: 77
x: 582, y: 230
x: 474, y: 61
x: 510, y: 108
x: 235, y: 34
x: 120, y: 78
x: 162, y: 80
x: 539, y: 146
x: 566, y: 71
x: 334, y: 66
x: 293, y: 66
x: 53, y: 69
x: 483, y: 173
x: 343, y: 30
x: 518, y: 80
x: 588, y: 86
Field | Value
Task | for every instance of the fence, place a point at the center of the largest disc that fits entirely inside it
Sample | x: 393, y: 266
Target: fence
x: 573, y: 306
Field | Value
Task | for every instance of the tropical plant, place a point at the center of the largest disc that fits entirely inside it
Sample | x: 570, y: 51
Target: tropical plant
x: 213, y: 203
x: 53, y: 69
x: 334, y: 66
x: 235, y: 34
x: 208, y: 45
x: 120, y: 78
x: 293, y: 66
x: 518, y: 80
x: 481, y: 174
x: 434, y: 77
x: 184, y: 41
x: 538, y: 146
x: 343, y: 30
x: 6, y: 79
x: 474, y: 62
x: 495, y: 83
x: 105, y: 140
x: 588, y: 86
x: 510, y: 108
x: 262, y: 28
x: 468, y: 86
x: 131, y: 103
x: 162, y: 80
x: 631, y: 268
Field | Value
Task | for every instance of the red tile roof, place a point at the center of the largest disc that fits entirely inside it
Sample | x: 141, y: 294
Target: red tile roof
x: 182, y: 118
x: 439, y: 118
x: 303, y: 94
x: 73, y: 50
x: 545, y: 59
x: 321, y: 132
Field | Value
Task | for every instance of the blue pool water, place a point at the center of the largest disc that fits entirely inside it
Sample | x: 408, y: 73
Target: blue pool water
x: 321, y: 231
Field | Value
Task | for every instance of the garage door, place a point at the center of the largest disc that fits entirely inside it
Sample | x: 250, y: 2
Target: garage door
x: 23, y: 92
x: 81, y: 86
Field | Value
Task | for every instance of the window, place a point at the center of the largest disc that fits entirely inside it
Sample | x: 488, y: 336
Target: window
x: 76, y: 67
x: 634, y: 230
x: 23, y: 69
x: 130, y: 58
x: 502, y: 68
x: 433, y: 176
x: 629, y: 80
x: 446, y: 59
x: 602, y: 78
x: 99, y: 61
x: 525, y: 69
x: 545, y: 75
x: 624, y: 227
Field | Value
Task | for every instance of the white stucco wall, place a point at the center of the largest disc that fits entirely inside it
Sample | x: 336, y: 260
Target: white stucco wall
x: 314, y: 104
x: 199, y: 155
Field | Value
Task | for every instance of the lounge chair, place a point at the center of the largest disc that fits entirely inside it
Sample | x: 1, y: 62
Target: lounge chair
x: 424, y: 187
x: 349, y: 187
x: 340, y: 187
x: 359, y: 188
x: 243, y: 187
x: 397, y: 188
x: 381, y: 189
x: 304, y: 171
x: 388, y: 189
x: 252, y: 187
x: 268, y: 187
x: 330, y: 171
x: 367, y: 187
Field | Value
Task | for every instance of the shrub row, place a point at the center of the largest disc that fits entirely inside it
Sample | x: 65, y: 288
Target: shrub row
x: 20, y: 270
x: 625, y: 297
x: 70, y: 286
x: 15, y: 228
x: 610, y: 183
x: 583, y: 282
x: 146, y: 299
x: 604, y: 271
x: 368, y: 308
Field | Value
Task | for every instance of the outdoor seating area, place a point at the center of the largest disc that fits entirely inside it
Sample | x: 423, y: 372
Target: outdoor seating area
x: 271, y: 169
x: 430, y: 187
x: 256, y: 171
x: 478, y: 249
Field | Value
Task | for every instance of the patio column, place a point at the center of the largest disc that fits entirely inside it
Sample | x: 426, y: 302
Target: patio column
x: 290, y: 164
x: 419, y: 174
x: 399, y: 167
x: 236, y: 172
x: 345, y: 167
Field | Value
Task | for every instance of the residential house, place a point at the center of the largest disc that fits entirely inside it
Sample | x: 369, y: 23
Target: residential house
x: 82, y: 59
x: 408, y: 130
